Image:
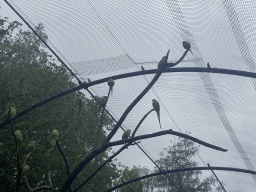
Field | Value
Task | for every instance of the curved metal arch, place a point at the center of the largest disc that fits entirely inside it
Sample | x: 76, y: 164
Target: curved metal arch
x: 132, y: 74
x: 184, y: 169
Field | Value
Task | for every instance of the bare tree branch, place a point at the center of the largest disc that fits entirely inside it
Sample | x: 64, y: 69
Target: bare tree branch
x: 132, y: 139
x: 132, y: 74
x: 101, y: 166
x: 143, y: 118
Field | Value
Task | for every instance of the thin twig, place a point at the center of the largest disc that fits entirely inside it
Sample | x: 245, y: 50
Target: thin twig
x: 101, y: 166
x: 99, y: 127
x: 129, y: 186
x: 217, y: 178
x: 143, y: 118
x: 65, y: 160
x: 17, y: 153
x: 24, y: 162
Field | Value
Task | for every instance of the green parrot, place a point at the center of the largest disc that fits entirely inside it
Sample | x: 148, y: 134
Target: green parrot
x: 54, y: 136
x: 5, y: 115
x: 111, y: 84
x: 30, y: 146
x: 162, y: 62
x: 186, y: 45
x: 103, y: 101
x: 18, y: 135
x: 157, y: 109
x: 25, y: 169
x: 126, y: 134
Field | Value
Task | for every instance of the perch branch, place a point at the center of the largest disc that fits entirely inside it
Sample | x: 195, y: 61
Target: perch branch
x: 143, y: 118
x: 101, y: 166
x: 181, y: 170
x: 132, y: 139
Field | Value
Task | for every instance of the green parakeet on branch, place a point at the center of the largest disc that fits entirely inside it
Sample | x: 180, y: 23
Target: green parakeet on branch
x: 30, y: 147
x: 156, y: 107
x: 111, y: 84
x: 186, y: 45
x: 162, y: 62
x: 18, y: 136
x: 5, y: 115
x: 54, y: 136
x: 126, y: 134
x: 103, y: 101
x: 25, y: 169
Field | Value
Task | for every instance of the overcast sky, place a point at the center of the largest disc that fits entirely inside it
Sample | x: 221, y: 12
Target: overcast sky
x: 103, y: 38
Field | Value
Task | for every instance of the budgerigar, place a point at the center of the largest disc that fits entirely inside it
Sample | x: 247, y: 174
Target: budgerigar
x: 156, y: 107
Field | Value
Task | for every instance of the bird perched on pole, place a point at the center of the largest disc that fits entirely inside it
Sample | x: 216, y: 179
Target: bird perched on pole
x: 142, y: 68
x: 208, y: 65
x: 126, y: 134
x: 111, y: 84
x: 162, y: 62
x: 156, y: 107
x: 187, y: 46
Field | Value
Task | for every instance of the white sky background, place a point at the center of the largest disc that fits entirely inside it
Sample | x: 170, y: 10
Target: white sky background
x: 84, y: 34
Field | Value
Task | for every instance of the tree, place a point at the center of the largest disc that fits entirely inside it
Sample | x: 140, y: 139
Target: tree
x: 28, y: 75
x: 127, y: 174
x: 180, y: 155
x: 148, y: 183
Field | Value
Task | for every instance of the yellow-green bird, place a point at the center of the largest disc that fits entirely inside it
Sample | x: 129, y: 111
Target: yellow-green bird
x: 54, y: 136
x: 103, y: 102
x: 30, y: 147
x: 156, y: 107
x: 18, y: 135
x: 111, y: 84
x: 25, y: 169
x: 186, y: 45
x: 5, y: 115
x: 162, y: 62
x: 126, y: 134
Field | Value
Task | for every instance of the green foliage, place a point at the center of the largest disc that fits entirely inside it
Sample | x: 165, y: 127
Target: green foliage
x: 148, y: 184
x: 129, y: 174
x: 180, y: 155
x: 28, y: 75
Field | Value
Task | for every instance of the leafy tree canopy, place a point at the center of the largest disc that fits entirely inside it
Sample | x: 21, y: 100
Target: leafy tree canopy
x: 180, y: 155
x: 28, y: 75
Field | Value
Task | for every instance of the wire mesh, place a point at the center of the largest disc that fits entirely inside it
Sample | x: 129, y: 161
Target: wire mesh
x: 99, y: 39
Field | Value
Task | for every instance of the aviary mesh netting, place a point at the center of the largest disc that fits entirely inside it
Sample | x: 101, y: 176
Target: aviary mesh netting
x: 55, y: 70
